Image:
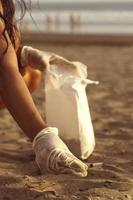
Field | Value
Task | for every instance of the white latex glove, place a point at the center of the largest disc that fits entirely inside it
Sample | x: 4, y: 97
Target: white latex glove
x: 43, y: 59
x: 52, y: 155
x: 34, y: 57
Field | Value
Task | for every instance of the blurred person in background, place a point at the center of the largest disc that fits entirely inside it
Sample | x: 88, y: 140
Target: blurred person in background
x: 52, y: 154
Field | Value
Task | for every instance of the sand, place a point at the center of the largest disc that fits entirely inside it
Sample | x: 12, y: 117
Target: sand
x: 111, y: 105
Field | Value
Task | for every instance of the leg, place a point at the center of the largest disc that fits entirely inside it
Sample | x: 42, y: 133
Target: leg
x: 32, y: 78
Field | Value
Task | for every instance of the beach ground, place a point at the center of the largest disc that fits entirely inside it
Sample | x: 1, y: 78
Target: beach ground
x: 111, y: 105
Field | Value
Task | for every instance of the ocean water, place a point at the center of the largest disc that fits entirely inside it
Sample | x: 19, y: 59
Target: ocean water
x: 90, y: 17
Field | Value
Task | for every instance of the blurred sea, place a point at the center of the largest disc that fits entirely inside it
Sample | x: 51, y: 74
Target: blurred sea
x: 90, y: 17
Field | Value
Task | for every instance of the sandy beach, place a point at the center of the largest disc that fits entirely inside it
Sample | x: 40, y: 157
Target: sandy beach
x: 111, y: 105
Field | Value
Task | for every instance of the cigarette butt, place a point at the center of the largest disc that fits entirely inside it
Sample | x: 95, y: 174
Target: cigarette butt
x: 98, y: 164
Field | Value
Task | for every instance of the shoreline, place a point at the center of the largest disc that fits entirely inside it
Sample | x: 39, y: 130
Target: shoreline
x: 75, y: 38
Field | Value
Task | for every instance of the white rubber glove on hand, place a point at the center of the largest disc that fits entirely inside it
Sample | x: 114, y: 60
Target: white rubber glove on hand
x: 43, y: 59
x: 52, y: 155
x: 34, y: 57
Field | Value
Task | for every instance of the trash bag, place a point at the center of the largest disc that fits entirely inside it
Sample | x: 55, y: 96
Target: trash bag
x: 67, y: 107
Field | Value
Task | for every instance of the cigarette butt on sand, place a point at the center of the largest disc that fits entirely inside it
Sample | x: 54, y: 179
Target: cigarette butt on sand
x: 98, y: 164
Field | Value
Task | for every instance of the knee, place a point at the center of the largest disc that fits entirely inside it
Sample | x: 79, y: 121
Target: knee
x: 32, y: 78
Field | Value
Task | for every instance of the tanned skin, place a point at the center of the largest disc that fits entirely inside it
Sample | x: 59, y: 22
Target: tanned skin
x: 14, y: 91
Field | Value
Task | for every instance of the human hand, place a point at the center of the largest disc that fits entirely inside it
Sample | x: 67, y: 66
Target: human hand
x: 52, y: 155
x: 34, y: 58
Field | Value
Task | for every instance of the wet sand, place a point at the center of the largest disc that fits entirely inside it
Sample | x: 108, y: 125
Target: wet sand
x: 111, y: 104
x: 77, y: 38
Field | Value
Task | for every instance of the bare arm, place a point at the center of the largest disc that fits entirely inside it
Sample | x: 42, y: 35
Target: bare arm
x: 15, y: 93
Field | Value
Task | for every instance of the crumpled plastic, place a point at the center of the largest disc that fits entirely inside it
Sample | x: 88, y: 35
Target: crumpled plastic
x: 67, y: 105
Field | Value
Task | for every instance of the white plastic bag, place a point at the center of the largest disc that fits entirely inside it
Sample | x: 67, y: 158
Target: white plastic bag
x: 67, y: 106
